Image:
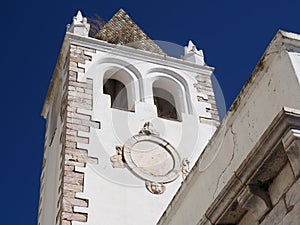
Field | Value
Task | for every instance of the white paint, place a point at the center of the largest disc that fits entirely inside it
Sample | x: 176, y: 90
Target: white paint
x: 50, y: 178
x: 193, y: 55
x: 79, y: 26
x: 115, y: 194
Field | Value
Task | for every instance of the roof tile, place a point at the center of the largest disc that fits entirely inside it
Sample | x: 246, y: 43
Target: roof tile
x: 121, y: 29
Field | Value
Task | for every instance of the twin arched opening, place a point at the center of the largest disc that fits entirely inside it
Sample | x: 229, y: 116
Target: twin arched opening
x: 125, y: 90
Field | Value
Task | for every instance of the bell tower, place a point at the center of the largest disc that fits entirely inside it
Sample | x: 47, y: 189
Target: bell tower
x: 125, y: 124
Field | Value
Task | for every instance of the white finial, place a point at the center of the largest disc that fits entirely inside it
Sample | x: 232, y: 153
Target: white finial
x: 79, y: 25
x: 193, y: 55
x: 191, y: 46
x: 78, y: 17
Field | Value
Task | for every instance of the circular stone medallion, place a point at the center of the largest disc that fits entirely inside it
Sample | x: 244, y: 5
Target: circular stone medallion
x: 152, y: 158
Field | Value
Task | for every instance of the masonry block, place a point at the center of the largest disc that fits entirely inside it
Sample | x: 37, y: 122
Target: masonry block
x: 256, y: 200
x: 291, y: 143
x: 276, y: 215
x: 293, y: 217
x: 281, y: 183
x: 248, y: 219
x: 293, y: 195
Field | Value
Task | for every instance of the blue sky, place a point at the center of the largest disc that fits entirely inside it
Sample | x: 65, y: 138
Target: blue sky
x: 233, y: 35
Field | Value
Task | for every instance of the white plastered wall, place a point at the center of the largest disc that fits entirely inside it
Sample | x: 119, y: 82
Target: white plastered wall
x: 51, y: 179
x: 115, y: 194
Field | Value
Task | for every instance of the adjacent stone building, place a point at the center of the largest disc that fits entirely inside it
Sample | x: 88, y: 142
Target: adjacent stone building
x: 133, y: 135
x: 249, y: 172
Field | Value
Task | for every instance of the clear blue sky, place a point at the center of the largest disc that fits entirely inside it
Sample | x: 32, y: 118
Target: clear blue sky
x: 233, y: 35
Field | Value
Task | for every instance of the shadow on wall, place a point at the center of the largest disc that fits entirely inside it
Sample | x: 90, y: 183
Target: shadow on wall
x: 220, y: 100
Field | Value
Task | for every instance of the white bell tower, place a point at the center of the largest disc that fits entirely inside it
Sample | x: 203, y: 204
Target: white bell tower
x: 125, y: 124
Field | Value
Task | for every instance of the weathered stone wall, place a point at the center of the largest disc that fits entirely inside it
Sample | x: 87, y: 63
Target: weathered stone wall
x: 77, y: 95
x: 284, y: 193
x: 206, y: 95
x: 246, y: 151
x: 62, y: 178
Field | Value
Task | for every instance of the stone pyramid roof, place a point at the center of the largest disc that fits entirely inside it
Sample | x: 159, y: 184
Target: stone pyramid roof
x: 121, y: 29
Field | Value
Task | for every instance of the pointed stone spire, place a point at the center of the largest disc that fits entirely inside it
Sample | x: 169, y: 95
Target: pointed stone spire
x: 80, y: 26
x: 193, y: 55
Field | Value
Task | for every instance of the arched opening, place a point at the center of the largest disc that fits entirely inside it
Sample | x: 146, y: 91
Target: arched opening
x: 165, y: 104
x: 176, y: 84
x: 118, y: 93
x: 121, y: 87
x: 168, y: 96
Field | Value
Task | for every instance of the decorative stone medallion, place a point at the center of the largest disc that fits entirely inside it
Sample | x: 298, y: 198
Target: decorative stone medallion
x: 149, y: 157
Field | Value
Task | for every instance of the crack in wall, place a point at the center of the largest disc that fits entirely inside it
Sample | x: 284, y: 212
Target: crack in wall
x: 230, y: 161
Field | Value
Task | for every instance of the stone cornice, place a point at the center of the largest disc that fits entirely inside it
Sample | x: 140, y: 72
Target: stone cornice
x: 258, y: 165
x: 261, y: 157
x: 139, y: 54
x: 120, y: 50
